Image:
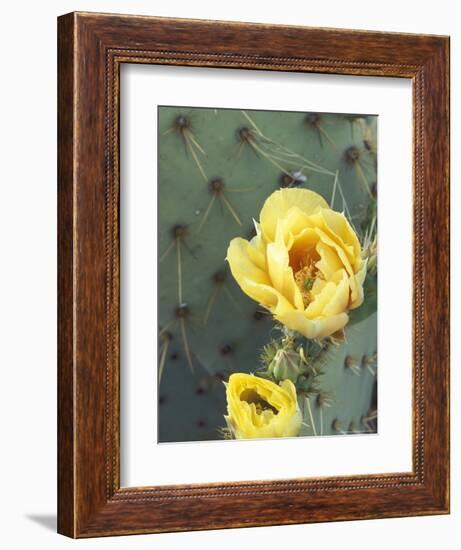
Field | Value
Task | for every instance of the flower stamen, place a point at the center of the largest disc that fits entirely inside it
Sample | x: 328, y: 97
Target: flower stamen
x: 305, y: 279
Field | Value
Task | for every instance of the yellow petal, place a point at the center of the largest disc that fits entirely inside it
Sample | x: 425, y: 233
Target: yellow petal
x: 357, y: 287
x: 281, y: 273
x: 313, y: 328
x: 342, y: 255
x: 289, y: 387
x: 321, y: 300
x: 337, y: 227
x: 329, y: 262
x: 280, y: 202
x: 266, y: 295
x: 258, y: 251
x: 245, y: 262
x: 340, y: 300
x: 331, y: 299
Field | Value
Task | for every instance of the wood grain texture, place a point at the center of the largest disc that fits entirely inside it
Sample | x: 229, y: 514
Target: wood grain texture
x: 91, y: 49
x: 65, y: 277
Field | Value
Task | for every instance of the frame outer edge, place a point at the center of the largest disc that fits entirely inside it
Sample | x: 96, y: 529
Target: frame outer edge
x: 437, y: 315
x: 86, y: 507
x: 66, y: 294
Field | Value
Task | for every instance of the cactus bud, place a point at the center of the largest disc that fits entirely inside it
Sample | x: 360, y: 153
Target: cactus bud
x: 268, y: 354
x: 285, y: 365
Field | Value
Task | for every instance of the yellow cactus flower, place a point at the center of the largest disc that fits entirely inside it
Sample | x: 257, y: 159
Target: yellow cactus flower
x: 259, y: 408
x: 304, y: 265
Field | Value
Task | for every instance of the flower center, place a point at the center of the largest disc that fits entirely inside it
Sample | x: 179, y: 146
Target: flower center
x: 305, y: 278
x: 251, y: 396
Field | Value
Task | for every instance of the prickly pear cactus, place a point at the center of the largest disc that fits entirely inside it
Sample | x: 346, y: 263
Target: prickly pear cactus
x: 216, y: 169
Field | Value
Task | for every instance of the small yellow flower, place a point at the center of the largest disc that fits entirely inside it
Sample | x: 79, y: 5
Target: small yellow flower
x: 258, y: 408
x: 304, y: 264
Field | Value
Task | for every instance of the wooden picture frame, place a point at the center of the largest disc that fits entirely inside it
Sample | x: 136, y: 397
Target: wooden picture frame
x: 91, y: 49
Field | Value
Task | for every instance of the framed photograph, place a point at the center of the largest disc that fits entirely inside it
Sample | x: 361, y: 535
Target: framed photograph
x: 253, y: 275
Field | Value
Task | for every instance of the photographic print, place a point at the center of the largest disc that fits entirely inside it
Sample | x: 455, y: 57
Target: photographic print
x: 267, y: 274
